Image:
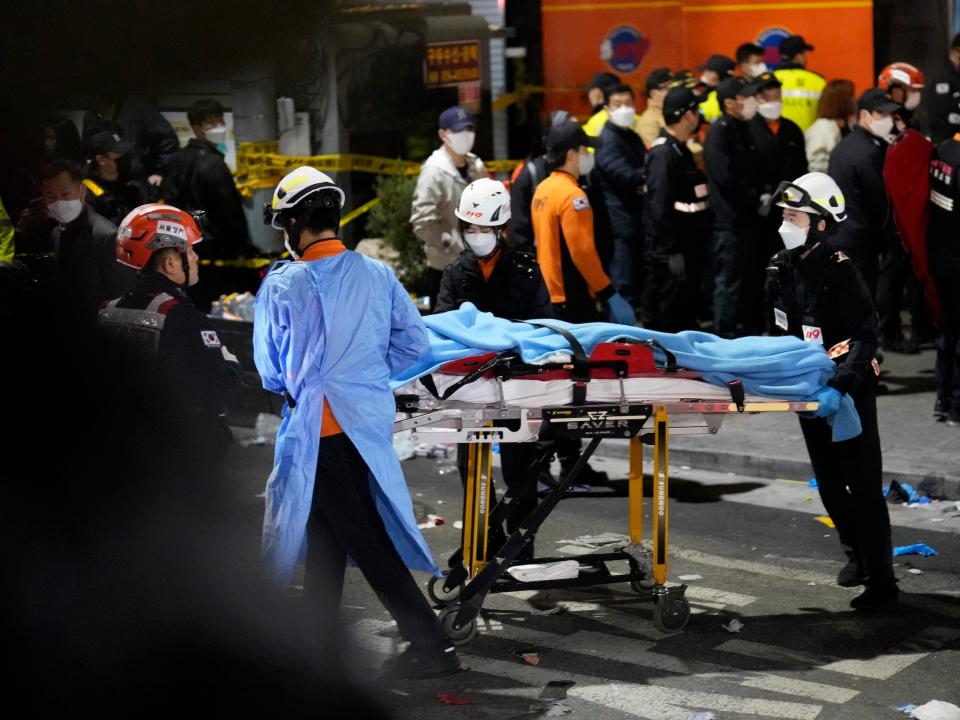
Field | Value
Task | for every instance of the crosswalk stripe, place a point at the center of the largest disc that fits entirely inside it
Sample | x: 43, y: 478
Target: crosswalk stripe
x: 652, y: 701
x: 792, y: 686
x: 751, y: 566
x: 770, y: 652
x: 712, y: 595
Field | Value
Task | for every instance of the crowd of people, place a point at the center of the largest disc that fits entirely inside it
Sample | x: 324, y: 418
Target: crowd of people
x: 668, y: 216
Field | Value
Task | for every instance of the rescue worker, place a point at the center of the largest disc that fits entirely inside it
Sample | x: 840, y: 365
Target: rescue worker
x: 733, y: 175
x: 619, y: 177
x: 497, y: 279
x: 598, y: 114
x: 651, y: 122
x: 524, y: 183
x: 159, y: 317
x: 563, y: 226
x: 904, y: 84
x: 677, y: 219
x: 113, y: 193
x: 781, y: 153
x: 857, y: 167
x: 943, y: 257
x: 750, y: 61
x: 816, y: 293
x: 717, y: 69
x: 86, y: 271
x: 941, y: 98
x: 330, y: 329
x: 199, y: 179
x: 801, y: 87
x: 442, y: 179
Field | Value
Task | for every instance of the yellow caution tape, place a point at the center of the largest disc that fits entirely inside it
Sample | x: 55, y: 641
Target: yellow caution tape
x: 357, y: 212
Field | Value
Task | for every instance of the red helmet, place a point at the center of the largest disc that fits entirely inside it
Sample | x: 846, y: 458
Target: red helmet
x: 153, y: 227
x: 903, y: 74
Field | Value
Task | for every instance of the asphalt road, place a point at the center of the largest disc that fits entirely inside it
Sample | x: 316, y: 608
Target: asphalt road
x: 758, y: 556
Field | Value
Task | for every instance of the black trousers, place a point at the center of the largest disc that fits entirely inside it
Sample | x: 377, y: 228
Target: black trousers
x: 344, y: 522
x: 850, y: 478
x: 896, y: 286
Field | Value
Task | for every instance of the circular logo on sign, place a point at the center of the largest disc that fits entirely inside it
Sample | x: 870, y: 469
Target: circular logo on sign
x: 770, y: 40
x: 624, y: 48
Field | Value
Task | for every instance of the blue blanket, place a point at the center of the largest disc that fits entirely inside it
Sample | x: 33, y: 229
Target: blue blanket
x: 785, y: 368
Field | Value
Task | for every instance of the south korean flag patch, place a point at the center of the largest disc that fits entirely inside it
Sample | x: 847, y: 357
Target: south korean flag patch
x: 581, y: 203
x: 210, y: 338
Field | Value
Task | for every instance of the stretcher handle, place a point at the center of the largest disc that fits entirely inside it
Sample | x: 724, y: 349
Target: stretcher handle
x: 671, y: 359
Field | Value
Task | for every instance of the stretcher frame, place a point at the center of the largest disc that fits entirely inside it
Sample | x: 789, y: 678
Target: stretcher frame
x: 463, y: 591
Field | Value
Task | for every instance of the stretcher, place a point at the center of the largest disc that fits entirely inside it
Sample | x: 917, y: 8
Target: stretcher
x: 620, y: 391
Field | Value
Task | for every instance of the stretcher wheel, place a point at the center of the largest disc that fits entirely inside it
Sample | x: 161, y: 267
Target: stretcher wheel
x: 458, y: 636
x: 671, y: 611
x: 440, y: 595
x: 644, y: 586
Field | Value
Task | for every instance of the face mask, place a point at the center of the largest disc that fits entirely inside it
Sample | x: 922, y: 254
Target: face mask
x: 286, y: 243
x: 216, y: 135
x: 770, y: 110
x: 882, y: 128
x: 749, y: 108
x: 461, y: 142
x: 481, y: 243
x: 792, y: 235
x: 624, y: 116
x: 65, y: 211
x: 913, y: 100
x: 586, y: 163
x: 758, y: 69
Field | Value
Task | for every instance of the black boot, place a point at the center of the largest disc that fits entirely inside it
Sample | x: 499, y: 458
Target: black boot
x: 851, y: 574
x: 421, y: 664
x: 877, y: 597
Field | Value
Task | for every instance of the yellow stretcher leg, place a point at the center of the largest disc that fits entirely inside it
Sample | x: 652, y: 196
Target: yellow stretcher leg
x: 476, y: 506
x: 661, y: 489
x: 635, y: 490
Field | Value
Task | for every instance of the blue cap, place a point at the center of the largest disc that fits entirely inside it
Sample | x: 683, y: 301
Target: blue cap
x: 455, y: 119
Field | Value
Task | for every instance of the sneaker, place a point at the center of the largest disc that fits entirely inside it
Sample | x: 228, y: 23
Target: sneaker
x: 953, y: 419
x: 940, y: 410
x: 422, y: 664
x: 850, y: 575
x: 877, y: 597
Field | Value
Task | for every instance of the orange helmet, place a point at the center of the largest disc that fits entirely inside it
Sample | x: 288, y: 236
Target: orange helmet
x: 901, y: 73
x: 153, y: 227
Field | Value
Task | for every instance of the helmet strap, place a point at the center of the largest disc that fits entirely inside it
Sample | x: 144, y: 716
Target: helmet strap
x: 186, y: 271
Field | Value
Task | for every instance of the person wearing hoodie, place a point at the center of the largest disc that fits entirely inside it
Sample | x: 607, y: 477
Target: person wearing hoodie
x: 443, y: 177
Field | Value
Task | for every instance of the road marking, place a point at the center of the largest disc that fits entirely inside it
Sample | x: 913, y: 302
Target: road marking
x: 750, y: 566
x: 791, y: 686
x: 651, y: 701
x: 770, y: 652
x: 712, y: 595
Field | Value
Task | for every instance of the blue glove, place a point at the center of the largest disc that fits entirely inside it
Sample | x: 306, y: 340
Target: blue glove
x: 620, y: 311
x: 829, y: 399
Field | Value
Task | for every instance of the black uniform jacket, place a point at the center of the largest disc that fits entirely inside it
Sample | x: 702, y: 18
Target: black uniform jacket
x: 733, y: 171
x: 782, y: 156
x: 820, y: 296
x: 199, y: 179
x: 620, y: 175
x: 941, y: 103
x: 677, y: 216
x: 521, y: 196
x: 515, y: 290
x: 856, y: 165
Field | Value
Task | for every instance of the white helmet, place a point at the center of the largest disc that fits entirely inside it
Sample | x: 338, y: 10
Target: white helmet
x: 296, y: 187
x: 814, y: 193
x: 484, y: 202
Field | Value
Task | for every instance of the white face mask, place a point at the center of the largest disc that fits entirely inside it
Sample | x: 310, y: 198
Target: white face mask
x: 913, y: 100
x: 216, y: 135
x: 624, y: 116
x: 758, y: 69
x: 286, y: 243
x: 586, y: 163
x: 749, y: 108
x: 770, y: 110
x: 793, y: 236
x: 461, y: 142
x: 882, y: 128
x: 481, y: 243
x: 65, y: 211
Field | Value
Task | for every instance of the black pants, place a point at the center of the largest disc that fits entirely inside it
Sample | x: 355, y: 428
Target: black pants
x: 344, y: 522
x: 675, y: 301
x: 850, y: 478
x: 434, y: 277
x: 897, y: 285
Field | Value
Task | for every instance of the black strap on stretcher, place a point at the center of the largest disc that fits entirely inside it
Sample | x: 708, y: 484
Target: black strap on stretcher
x: 428, y: 382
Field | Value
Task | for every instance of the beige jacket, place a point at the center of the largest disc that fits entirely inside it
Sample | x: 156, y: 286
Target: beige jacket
x: 650, y: 123
x: 821, y: 138
x: 436, y: 196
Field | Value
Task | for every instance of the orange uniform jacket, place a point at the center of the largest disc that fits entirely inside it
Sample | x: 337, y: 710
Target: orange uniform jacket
x: 566, y: 251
